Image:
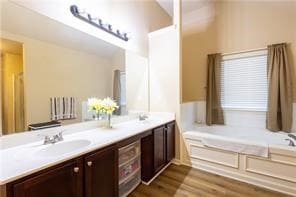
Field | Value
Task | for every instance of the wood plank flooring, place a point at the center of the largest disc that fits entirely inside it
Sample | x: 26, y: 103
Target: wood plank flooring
x: 185, y: 181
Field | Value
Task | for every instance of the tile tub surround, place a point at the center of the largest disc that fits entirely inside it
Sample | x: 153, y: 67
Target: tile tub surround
x: 18, y: 160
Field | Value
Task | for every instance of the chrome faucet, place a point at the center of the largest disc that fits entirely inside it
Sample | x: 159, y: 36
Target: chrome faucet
x: 54, y: 139
x: 291, y: 139
x: 291, y: 143
x: 143, y: 117
x: 292, y: 136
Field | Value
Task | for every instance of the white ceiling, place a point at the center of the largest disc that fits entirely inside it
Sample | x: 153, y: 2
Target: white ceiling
x: 196, y: 14
x: 167, y: 5
x: 192, y: 5
x: 187, y: 5
x: 23, y: 21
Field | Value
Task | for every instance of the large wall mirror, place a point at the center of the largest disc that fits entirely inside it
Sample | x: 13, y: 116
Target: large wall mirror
x: 44, y: 62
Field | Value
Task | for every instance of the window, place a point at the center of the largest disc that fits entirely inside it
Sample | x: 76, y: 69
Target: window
x: 244, y: 81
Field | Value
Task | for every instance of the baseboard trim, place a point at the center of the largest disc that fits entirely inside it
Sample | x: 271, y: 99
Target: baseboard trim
x: 148, y: 183
x: 176, y: 162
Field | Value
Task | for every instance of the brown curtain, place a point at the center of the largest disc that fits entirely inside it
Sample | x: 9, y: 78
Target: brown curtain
x: 279, y: 112
x: 214, y: 112
x: 117, y: 91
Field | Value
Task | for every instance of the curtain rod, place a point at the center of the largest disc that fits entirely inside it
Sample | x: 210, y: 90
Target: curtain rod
x: 232, y: 53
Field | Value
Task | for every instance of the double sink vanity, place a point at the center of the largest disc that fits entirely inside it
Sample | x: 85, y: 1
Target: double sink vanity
x: 86, y: 162
x: 52, y: 76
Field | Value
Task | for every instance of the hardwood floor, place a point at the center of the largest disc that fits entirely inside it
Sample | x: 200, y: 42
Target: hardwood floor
x: 186, y: 181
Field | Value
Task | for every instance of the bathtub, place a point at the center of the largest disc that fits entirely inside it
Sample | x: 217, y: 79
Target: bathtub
x: 276, y: 170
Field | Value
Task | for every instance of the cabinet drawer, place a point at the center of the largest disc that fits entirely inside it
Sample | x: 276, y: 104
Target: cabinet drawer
x: 129, y: 169
x: 129, y: 185
x: 129, y: 152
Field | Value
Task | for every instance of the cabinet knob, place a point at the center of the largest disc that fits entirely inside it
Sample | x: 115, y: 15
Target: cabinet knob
x: 89, y: 163
x: 76, y: 169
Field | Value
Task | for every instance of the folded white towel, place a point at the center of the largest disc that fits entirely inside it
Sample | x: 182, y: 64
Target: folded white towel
x: 239, y: 146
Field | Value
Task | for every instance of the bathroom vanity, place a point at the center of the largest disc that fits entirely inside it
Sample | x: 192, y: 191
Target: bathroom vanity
x: 94, y: 170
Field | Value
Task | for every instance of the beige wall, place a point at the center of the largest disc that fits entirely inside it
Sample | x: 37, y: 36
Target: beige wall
x: 236, y: 26
x: 51, y: 70
x: 118, y: 60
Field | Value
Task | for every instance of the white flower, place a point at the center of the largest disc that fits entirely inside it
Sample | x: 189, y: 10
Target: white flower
x: 94, y: 104
x: 109, y: 105
x: 106, y: 105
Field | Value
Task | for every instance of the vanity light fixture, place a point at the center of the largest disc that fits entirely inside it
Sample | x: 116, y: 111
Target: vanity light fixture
x: 97, y: 22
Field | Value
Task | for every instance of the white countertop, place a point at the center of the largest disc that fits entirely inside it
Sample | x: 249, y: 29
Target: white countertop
x: 21, y: 160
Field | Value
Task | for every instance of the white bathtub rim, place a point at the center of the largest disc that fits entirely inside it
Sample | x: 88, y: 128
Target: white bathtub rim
x: 196, y: 135
x: 226, y: 138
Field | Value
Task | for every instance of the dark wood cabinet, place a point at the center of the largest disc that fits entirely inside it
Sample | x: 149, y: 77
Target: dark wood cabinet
x: 147, y: 160
x: 158, y: 149
x: 159, y: 137
x: 170, y: 142
x: 65, y: 180
x: 93, y: 175
x: 101, y: 173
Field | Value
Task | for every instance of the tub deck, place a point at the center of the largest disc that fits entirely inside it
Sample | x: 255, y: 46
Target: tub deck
x: 276, y: 172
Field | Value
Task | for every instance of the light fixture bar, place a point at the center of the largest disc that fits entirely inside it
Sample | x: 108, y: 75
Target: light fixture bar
x: 97, y: 23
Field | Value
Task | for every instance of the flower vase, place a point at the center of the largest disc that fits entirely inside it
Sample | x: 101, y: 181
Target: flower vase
x: 97, y: 116
x: 108, y: 120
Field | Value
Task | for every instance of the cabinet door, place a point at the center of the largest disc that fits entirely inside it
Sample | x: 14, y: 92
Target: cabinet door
x: 147, y: 158
x: 101, y: 173
x: 63, y: 181
x: 170, y: 142
x: 159, y: 148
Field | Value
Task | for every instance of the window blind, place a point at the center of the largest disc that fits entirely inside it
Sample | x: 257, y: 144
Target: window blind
x: 244, y: 81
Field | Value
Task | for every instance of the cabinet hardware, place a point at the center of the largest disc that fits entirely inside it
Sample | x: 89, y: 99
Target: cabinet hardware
x: 76, y: 169
x: 89, y: 163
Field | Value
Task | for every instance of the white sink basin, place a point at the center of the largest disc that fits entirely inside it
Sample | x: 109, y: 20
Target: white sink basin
x: 62, y: 148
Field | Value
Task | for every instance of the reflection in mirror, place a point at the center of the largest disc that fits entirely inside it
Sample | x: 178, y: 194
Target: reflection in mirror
x: 12, y: 87
x: 58, y: 88
x: 55, y: 71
